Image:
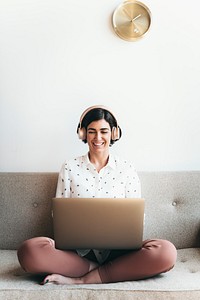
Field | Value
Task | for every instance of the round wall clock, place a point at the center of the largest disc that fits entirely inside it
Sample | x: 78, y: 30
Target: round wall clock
x: 131, y: 20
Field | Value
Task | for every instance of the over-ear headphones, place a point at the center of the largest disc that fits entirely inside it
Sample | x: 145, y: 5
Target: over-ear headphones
x: 115, y: 134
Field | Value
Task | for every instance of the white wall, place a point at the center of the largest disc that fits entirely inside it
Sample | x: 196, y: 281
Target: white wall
x: 57, y: 57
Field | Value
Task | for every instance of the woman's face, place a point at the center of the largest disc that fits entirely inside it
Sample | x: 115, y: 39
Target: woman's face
x: 98, y: 136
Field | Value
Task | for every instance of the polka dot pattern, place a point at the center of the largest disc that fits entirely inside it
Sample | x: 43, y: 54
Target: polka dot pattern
x: 79, y: 178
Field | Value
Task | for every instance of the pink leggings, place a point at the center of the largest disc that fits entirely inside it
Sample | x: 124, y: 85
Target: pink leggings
x: 39, y: 256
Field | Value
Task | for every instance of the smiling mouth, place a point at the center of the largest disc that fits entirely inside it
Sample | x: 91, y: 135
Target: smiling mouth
x: 98, y: 144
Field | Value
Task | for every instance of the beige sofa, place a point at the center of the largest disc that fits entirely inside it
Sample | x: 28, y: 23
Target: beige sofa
x: 172, y: 212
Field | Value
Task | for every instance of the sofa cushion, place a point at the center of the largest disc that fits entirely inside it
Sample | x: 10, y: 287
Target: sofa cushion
x: 182, y: 282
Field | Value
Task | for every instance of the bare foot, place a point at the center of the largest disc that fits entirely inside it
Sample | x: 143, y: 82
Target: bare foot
x: 92, y: 275
x: 59, y: 279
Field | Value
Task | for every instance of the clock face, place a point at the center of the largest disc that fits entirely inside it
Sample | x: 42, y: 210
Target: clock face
x: 131, y: 20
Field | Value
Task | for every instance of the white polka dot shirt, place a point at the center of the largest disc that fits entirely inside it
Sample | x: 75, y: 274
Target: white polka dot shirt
x: 79, y: 178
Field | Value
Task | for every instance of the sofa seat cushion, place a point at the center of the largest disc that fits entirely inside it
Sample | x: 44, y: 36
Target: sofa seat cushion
x: 183, y: 280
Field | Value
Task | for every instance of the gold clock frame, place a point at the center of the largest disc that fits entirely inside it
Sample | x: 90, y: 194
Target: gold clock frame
x: 131, y: 20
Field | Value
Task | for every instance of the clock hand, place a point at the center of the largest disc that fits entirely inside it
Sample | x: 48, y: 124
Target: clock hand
x: 135, y: 30
x: 136, y: 17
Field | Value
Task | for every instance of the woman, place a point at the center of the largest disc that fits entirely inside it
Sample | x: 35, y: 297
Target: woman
x: 96, y: 174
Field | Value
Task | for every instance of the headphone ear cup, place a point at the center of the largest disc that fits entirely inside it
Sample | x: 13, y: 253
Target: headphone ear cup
x: 115, y: 133
x: 82, y: 134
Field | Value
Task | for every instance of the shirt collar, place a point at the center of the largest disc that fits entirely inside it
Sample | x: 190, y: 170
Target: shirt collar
x: 111, y: 162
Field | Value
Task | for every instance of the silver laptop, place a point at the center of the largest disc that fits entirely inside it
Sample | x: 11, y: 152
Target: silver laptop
x: 98, y: 223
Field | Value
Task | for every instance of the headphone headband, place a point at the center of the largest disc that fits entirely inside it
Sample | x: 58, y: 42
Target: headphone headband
x: 81, y: 131
x: 94, y: 107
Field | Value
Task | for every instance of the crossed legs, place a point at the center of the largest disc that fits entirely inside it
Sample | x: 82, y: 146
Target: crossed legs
x: 39, y: 256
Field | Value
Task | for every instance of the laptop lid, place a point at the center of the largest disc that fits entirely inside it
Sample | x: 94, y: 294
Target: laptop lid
x: 98, y: 223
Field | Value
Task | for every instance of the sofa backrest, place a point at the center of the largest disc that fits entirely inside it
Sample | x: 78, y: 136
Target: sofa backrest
x: 172, y: 207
